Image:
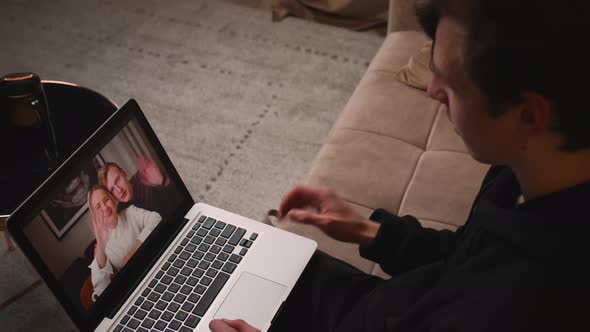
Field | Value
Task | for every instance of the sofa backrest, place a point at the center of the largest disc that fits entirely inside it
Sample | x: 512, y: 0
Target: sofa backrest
x: 401, y: 16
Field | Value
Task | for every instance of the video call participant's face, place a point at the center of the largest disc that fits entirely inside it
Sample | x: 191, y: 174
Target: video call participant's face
x: 104, y: 206
x: 118, y: 184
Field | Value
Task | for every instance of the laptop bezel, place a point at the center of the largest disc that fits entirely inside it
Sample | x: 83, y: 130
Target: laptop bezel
x: 126, y: 281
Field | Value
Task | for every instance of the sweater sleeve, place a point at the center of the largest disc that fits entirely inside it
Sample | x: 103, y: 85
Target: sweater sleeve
x: 147, y: 220
x: 402, y: 244
x: 101, y: 278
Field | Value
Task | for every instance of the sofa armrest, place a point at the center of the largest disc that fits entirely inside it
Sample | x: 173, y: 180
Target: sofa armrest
x: 402, y: 16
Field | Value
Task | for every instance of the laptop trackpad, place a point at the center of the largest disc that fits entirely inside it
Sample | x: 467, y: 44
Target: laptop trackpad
x: 253, y: 299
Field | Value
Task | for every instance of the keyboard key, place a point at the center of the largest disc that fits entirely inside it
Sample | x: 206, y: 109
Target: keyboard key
x: 145, y: 292
x: 160, y: 325
x: 155, y: 314
x: 190, y: 234
x: 173, y: 271
x: 228, y: 231
x: 210, y: 294
x: 180, y: 298
x: 148, y: 323
x: 243, y: 251
x: 196, y: 240
x: 209, y: 256
x: 200, y: 289
x: 173, y: 288
x: 175, y: 325
x: 229, y: 267
x: 215, y: 249
x: 204, y: 265
x: 133, y: 323
x: 202, y: 218
x: 125, y: 319
x: 246, y: 243
x: 180, y: 279
x: 181, y: 315
x: 204, y: 247
x: 140, y: 314
x: 177, y: 250
x: 186, y: 290
x: 186, y: 271
x: 152, y: 283
x: 191, y: 263
x: 228, y: 248
x: 223, y: 256
x: 209, y: 223
x: 179, y: 263
x: 202, y: 232
x: 147, y: 305
x: 209, y: 239
x: 235, y: 258
x: 211, y: 273
x: 214, y: 232
x: 206, y: 281
x: 139, y: 300
x: 192, y: 281
x: 167, y: 296
x: 235, y: 239
x: 198, y: 255
x: 161, y: 305
x: 198, y: 273
x: 154, y: 297
x: 185, y: 329
x: 159, y: 274
x: 165, y: 266
x: 185, y: 255
x: 253, y: 236
x: 190, y: 247
x: 166, y: 280
x: 194, y: 298
x: 220, y: 224
x: 118, y: 328
x: 173, y: 307
x: 192, y: 321
x: 172, y: 258
x: 217, y: 264
x: 187, y: 306
x: 132, y: 310
x: 195, y: 227
x: 167, y: 316
x: 184, y: 242
x: 220, y: 241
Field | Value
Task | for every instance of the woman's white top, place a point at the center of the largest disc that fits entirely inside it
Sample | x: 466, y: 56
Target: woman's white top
x: 134, y: 224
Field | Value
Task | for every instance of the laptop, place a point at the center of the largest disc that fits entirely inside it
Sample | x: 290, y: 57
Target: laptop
x: 120, y: 242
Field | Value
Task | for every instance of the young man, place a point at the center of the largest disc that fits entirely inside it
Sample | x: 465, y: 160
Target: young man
x: 147, y: 189
x: 520, y: 261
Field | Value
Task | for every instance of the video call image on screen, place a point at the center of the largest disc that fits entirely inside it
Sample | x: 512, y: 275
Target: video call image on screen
x: 102, y: 214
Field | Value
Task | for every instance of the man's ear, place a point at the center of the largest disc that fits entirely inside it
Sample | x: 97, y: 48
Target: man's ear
x: 536, y: 114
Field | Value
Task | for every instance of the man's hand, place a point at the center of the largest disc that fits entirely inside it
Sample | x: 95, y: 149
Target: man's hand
x: 149, y: 173
x: 335, y: 218
x: 228, y: 325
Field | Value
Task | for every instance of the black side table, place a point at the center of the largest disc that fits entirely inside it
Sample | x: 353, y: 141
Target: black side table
x: 76, y: 112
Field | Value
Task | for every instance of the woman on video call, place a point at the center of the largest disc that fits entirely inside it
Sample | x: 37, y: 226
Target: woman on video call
x: 118, y: 236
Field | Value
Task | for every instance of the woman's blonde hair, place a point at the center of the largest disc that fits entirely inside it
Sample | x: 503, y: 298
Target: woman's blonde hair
x: 95, y: 188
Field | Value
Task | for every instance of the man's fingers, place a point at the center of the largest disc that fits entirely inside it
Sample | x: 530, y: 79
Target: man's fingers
x: 218, y: 325
x: 305, y: 217
x: 299, y: 197
x: 240, y: 325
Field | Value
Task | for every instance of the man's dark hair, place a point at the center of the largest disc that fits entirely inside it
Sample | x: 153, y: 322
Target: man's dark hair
x: 518, y: 46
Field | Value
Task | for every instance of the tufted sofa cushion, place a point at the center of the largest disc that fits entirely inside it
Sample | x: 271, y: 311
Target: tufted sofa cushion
x: 393, y: 147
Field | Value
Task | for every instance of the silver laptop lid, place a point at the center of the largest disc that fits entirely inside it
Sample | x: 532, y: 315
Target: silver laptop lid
x: 99, y: 222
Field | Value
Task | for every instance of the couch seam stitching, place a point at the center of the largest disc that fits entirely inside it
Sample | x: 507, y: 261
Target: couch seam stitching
x: 380, y: 134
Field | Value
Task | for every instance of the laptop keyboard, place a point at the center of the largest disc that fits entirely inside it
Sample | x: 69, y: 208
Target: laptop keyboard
x: 182, y: 290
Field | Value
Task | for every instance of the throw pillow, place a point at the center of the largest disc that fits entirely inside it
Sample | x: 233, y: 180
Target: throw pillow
x: 417, y: 72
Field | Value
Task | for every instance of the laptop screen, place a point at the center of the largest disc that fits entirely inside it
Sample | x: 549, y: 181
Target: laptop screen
x: 94, y: 219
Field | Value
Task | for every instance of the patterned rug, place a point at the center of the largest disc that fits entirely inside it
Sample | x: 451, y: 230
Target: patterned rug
x: 241, y: 104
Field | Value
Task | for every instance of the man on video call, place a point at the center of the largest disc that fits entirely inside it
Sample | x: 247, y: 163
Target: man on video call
x: 146, y: 189
x: 514, y: 77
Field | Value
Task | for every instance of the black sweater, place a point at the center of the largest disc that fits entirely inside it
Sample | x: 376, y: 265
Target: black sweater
x: 509, y: 268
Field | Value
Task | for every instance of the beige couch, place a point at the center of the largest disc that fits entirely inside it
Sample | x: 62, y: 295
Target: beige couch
x: 393, y: 147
